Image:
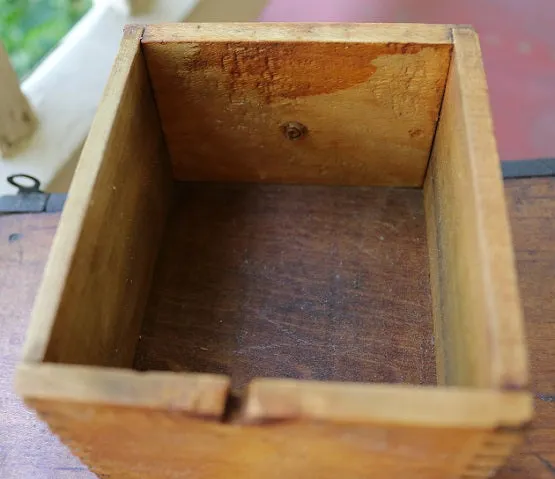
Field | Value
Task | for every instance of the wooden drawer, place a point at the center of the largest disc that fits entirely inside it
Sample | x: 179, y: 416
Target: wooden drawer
x: 273, y: 234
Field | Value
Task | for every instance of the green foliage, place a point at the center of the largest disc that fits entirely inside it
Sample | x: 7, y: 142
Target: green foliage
x: 29, y: 29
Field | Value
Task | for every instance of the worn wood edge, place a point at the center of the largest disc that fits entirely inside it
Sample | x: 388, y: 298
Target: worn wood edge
x: 196, y: 394
x: 79, y: 196
x: 404, y: 405
x: 298, y: 32
x: 509, y: 361
x: 435, y: 274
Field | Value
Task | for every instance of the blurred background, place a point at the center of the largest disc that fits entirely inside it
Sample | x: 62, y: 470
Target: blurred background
x: 30, y: 29
x: 516, y: 35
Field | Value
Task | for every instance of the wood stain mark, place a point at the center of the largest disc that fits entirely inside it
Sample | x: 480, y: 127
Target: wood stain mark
x: 275, y: 71
x: 416, y: 132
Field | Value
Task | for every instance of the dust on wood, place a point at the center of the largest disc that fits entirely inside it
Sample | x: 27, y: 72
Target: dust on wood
x: 292, y: 281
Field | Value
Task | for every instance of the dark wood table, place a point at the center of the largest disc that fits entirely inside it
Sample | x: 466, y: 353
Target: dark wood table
x: 29, y: 450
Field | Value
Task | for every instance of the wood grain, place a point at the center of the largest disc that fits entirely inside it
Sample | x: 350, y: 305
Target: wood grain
x: 306, y: 282
x: 203, y: 395
x: 477, y: 312
x: 160, y: 424
x: 369, y: 101
x: 531, y: 203
x: 424, y: 34
x: 28, y: 450
x: 27, y: 447
x: 532, y: 206
x: 403, y: 405
x: 91, y: 301
x: 162, y: 444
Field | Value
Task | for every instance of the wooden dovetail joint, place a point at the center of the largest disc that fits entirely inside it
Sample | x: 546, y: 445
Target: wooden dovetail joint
x: 17, y: 120
x: 493, y: 453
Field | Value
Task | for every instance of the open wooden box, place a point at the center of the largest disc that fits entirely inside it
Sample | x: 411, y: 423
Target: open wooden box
x: 279, y: 222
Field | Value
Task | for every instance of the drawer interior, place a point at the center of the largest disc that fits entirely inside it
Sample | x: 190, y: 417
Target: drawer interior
x: 309, y: 282
x: 285, y: 254
x: 204, y: 234
x: 258, y: 207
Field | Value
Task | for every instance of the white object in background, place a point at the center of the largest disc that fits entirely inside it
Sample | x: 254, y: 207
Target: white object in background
x: 17, y: 121
x: 129, y: 7
x: 66, y: 88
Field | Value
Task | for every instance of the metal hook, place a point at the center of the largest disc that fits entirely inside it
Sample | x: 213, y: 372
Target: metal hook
x: 22, y: 188
x: 30, y: 198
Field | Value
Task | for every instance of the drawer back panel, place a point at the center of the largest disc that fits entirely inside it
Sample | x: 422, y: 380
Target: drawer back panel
x: 329, y: 106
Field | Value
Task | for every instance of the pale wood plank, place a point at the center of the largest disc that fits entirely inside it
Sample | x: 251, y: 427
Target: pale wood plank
x: 17, y: 120
x: 300, y: 32
x: 90, y: 304
x: 271, y: 399
x: 477, y: 311
x: 157, y: 425
x: 367, y: 96
x: 196, y: 394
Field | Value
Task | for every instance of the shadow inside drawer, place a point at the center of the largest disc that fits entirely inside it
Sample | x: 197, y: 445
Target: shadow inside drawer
x: 310, y: 282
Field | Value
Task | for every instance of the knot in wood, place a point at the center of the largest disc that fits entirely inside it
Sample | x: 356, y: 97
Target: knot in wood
x: 294, y: 130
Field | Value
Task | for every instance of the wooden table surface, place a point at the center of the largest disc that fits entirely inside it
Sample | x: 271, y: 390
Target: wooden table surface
x: 29, y: 450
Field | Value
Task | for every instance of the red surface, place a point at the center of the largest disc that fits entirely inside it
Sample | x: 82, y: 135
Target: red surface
x: 518, y: 43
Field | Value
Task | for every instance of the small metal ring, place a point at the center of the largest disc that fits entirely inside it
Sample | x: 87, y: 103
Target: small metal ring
x: 35, y: 188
